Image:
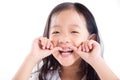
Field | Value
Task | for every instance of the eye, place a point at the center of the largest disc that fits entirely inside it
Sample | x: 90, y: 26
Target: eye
x: 55, y: 32
x: 74, y: 32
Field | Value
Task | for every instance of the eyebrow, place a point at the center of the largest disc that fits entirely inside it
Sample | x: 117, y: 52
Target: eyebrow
x: 74, y: 25
x: 55, y: 26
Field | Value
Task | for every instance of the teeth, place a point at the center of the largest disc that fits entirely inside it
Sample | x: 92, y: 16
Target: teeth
x: 70, y: 51
x: 66, y: 50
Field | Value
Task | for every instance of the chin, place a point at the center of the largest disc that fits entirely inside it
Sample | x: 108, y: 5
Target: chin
x: 66, y: 64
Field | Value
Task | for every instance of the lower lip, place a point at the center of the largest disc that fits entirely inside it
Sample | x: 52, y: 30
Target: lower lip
x: 65, y: 54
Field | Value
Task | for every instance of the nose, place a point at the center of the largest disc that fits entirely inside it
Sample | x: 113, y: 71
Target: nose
x: 64, y: 39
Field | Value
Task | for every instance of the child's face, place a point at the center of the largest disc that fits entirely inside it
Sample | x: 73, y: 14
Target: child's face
x: 67, y: 29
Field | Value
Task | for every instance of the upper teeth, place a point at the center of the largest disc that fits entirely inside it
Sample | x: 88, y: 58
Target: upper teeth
x: 66, y: 50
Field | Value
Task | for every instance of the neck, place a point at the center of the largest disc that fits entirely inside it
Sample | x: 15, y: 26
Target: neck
x: 73, y: 67
x: 73, y: 72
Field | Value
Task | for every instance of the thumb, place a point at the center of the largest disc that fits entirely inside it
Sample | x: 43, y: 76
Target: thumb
x: 81, y: 53
x: 76, y: 49
x: 54, y: 50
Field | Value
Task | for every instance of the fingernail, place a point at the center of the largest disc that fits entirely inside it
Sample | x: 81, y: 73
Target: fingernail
x: 43, y: 47
x: 48, y: 47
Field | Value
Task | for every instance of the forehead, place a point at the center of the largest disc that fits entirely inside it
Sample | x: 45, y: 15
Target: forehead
x: 68, y: 17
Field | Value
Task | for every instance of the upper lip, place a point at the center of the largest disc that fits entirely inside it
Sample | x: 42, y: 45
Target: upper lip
x: 65, y: 49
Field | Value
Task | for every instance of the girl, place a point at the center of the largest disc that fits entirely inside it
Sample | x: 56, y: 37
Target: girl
x: 69, y: 49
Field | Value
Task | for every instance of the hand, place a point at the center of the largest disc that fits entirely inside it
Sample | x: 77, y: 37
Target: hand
x: 41, y: 48
x: 89, y: 51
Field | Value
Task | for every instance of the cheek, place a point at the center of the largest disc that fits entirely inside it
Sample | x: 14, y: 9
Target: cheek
x: 78, y: 40
x: 54, y: 40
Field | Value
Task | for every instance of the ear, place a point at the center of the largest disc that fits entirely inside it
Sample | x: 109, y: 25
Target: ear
x: 92, y: 36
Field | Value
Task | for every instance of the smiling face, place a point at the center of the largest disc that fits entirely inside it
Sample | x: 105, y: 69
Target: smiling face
x: 68, y: 29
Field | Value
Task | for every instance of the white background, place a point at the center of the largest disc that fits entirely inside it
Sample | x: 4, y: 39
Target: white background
x: 23, y: 20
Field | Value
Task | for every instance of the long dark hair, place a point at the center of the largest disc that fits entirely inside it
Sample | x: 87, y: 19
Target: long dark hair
x: 50, y: 63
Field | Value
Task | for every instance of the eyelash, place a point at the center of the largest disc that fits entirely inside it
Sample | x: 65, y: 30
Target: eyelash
x: 74, y: 32
x: 55, y: 32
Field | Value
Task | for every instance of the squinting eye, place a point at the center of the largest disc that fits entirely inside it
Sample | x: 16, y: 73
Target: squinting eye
x: 55, y: 32
x: 74, y: 32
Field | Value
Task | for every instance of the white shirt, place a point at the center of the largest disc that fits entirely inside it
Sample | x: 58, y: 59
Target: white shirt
x: 55, y: 76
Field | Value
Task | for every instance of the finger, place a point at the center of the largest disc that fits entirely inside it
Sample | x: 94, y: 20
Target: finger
x: 74, y: 48
x: 44, y: 43
x: 93, y: 44
x: 77, y: 50
x: 48, y: 44
x: 56, y: 49
x: 41, y: 39
x: 83, y: 46
x: 90, y: 45
x: 51, y: 45
x: 86, y: 46
x: 39, y: 44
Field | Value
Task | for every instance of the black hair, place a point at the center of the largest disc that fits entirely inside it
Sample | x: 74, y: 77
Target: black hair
x: 50, y: 63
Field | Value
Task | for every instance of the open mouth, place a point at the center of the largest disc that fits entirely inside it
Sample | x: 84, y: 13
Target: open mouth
x: 65, y: 51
